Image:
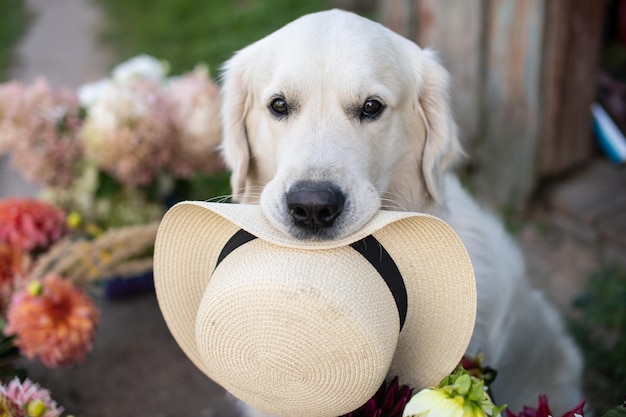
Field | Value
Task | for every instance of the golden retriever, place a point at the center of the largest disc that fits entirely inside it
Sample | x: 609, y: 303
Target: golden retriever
x: 334, y: 117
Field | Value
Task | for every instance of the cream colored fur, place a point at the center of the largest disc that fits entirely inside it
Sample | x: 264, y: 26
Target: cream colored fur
x: 325, y: 66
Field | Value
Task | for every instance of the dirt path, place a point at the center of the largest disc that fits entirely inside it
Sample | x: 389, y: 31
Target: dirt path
x: 60, y: 45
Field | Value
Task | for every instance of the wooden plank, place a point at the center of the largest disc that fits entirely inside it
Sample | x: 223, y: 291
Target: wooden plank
x: 398, y: 15
x: 505, y: 155
x: 492, y: 49
x: 453, y: 29
x: 572, y: 42
x: 523, y: 74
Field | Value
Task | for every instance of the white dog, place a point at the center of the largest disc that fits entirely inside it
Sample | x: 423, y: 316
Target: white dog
x: 334, y: 117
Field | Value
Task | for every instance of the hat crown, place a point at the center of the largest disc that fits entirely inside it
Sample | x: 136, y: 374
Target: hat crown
x: 294, y: 332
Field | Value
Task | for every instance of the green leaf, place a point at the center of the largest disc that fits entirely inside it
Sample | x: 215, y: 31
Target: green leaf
x: 445, y: 381
x: 151, y: 191
x: 478, y: 391
x: 498, y: 409
x: 619, y: 411
x: 15, y: 18
x: 463, y: 384
x: 107, y: 186
x: 6, y: 346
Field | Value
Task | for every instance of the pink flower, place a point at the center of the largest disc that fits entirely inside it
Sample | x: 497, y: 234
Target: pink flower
x: 543, y: 410
x: 10, y: 94
x: 29, y: 224
x: 30, y: 397
x: 128, y: 132
x: 52, y: 320
x: 39, y: 127
x: 9, y: 409
x: 195, y: 104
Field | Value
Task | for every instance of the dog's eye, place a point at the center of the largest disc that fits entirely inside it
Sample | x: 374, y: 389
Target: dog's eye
x: 279, y: 107
x: 371, y: 109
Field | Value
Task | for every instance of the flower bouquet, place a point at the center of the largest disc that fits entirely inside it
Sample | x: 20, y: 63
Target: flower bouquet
x: 110, y: 157
x: 113, y: 152
x: 43, y: 315
x: 464, y: 393
x: 114, y: 155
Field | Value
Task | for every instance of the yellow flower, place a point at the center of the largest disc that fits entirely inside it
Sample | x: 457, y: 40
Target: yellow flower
x: 458, y: 395
x: 74, y: 220
x: 35, y: 288
x: 36, y: 408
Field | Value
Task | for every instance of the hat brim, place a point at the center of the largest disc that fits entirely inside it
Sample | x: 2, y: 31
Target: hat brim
x: 436, y: 268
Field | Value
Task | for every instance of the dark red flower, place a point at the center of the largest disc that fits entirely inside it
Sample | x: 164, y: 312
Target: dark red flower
x: 543, y: 410
x: 389, y: 401
x: 578, y: 410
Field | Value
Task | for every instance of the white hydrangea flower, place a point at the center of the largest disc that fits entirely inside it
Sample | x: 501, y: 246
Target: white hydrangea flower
x: 90, y: 93
x: 143, y: 67
x: 128, y: 133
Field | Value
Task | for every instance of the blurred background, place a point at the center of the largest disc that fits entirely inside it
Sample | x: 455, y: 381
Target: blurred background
x: 525, y: 73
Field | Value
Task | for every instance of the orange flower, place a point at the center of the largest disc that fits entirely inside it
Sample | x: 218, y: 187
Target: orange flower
x: 53, y: 320
x: 12, y: 268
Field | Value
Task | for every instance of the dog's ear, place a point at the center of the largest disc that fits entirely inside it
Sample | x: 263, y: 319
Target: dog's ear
x: 442, y: 147
x: 236, y: 98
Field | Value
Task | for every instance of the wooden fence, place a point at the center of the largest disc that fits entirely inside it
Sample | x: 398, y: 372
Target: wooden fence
x: 524, y: 77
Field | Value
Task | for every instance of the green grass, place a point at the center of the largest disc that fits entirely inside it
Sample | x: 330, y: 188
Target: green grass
x: 601, y: 334
x: 14, y: 20
x: 186, y: 32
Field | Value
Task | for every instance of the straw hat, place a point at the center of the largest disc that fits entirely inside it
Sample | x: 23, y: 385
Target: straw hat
x: 312, y: 328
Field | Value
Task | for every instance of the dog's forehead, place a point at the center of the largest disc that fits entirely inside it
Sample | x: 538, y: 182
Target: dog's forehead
x: 332, y: 46
x: 330, y: 19
x: 334, y: 31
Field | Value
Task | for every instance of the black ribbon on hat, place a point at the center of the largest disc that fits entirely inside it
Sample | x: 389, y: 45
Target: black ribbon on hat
x: 379, y: 258
x: 369, y: 247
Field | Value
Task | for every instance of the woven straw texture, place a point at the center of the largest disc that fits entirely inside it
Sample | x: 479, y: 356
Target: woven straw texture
x: 310, y: 328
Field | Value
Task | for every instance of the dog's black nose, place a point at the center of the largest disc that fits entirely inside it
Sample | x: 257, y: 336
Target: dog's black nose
x: 314, y: 205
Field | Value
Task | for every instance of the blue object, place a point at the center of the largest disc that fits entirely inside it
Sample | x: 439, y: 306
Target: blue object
x: 609, y: 136
x: 118, y: 288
